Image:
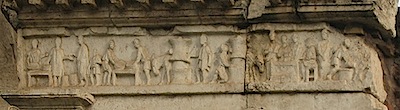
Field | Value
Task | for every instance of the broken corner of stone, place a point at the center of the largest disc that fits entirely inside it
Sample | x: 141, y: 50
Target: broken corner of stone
x: 219, y: 55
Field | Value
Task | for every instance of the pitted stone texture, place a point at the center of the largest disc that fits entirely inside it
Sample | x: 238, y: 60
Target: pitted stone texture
x: 9, y: 79
x: 323, y: 101
x: 311, y: 58
x: 173, y: 102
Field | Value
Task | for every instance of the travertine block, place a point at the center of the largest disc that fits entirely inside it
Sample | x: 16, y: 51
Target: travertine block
x: 176, y: 102
x: 299, y: 58
x: 305, y: 101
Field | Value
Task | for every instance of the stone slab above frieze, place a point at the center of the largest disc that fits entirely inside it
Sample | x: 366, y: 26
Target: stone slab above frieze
x: 114, y: 60
x: 306, y: 58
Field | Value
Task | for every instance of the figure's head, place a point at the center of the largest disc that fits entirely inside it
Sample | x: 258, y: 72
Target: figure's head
x: 136, y: 42
x: 325, y: 33
x: 285, y: 39
x: 309, y: 42
x: 35, y: 43
x: 80, y: 40
x: 347, y: 43
x: 203, y: 39
x: 58, y: 42
x: 224, y: 48
x: 112, y: 44
x: 272, y: 35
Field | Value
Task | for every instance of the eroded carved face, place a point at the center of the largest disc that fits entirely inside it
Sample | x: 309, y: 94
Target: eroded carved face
x: 136, y: 42
x: 35, y: 43
x: 203, y: 39
x: 112, y: 44
x: 58, y: 42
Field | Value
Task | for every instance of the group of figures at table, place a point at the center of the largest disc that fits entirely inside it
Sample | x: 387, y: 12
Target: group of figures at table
x: 102, y: 70
x: 292, y: 60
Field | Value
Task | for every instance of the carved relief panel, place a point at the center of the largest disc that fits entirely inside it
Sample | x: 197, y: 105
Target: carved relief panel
x: 109, y: 60
x: 304, y: 58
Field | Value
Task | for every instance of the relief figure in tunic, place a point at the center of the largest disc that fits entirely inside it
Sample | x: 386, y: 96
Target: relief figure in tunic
x: 223, y: 63
x: 343, y: 64
x: 111, y: 63
x: 205, y: 60
x: 34, y: 56
x: 95, y: 74
x: 83, y: 62
x: 143, y: 59
x: 309, y: 61
x: 57, y: 62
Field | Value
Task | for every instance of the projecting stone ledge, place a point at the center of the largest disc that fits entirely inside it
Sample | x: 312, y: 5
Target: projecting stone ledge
x: 375, y: 14
x: 39, y: 101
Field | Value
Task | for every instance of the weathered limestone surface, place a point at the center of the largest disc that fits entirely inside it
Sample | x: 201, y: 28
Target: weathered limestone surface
x: 196, y: 54
x: 304, y: 101
x: 171, y: 102
x: 9, y: 79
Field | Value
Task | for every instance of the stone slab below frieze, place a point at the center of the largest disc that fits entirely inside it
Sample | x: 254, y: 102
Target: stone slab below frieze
x: 171, y: 102
x: 314, y: 101
x: 311, y: 58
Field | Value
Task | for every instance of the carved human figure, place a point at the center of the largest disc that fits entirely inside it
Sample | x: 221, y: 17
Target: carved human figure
x: 163, y: 62
x: 223, y: 63
x: 117, y: 63
x: 205, y: 60
x: 285, y: 53
x: 255, y: 66
x: 271, y: 54
x: 343, y: 64
x: 324, y: 52
x: 83, y: 62
x: 57, y: 62
x: 108, y: 71
x: 309, y: 60
x: 34, y: 56
x: 142, y: 58
x: 95, y: 74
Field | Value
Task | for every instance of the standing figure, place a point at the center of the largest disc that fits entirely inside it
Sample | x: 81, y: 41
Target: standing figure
x: 142, y: 58
x: 57, y: 62
x: 166, y: 65
x: 83, y: 62
x: 223, y: 64
x: 95, y: 74
x: 255, y: 66
x: 271, y: 54
x: 110, y: 60
x: 324, y: 52
x: 108, y: 71
x: 205, y: 59
x: 310, y: 72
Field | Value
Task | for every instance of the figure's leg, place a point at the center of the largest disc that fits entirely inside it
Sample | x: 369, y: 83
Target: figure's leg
x: 55, y: 79
x: 105, y: 78
x: 91, y: 76
x: 198, y: 80
x: 98, y: 79
x: 137, y: 77
x: 205, y: 75
x: 168, y: 77
x: 223, y: 75
x: 162, y: 78
x: 147, y: 72
x: 114, y: 78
